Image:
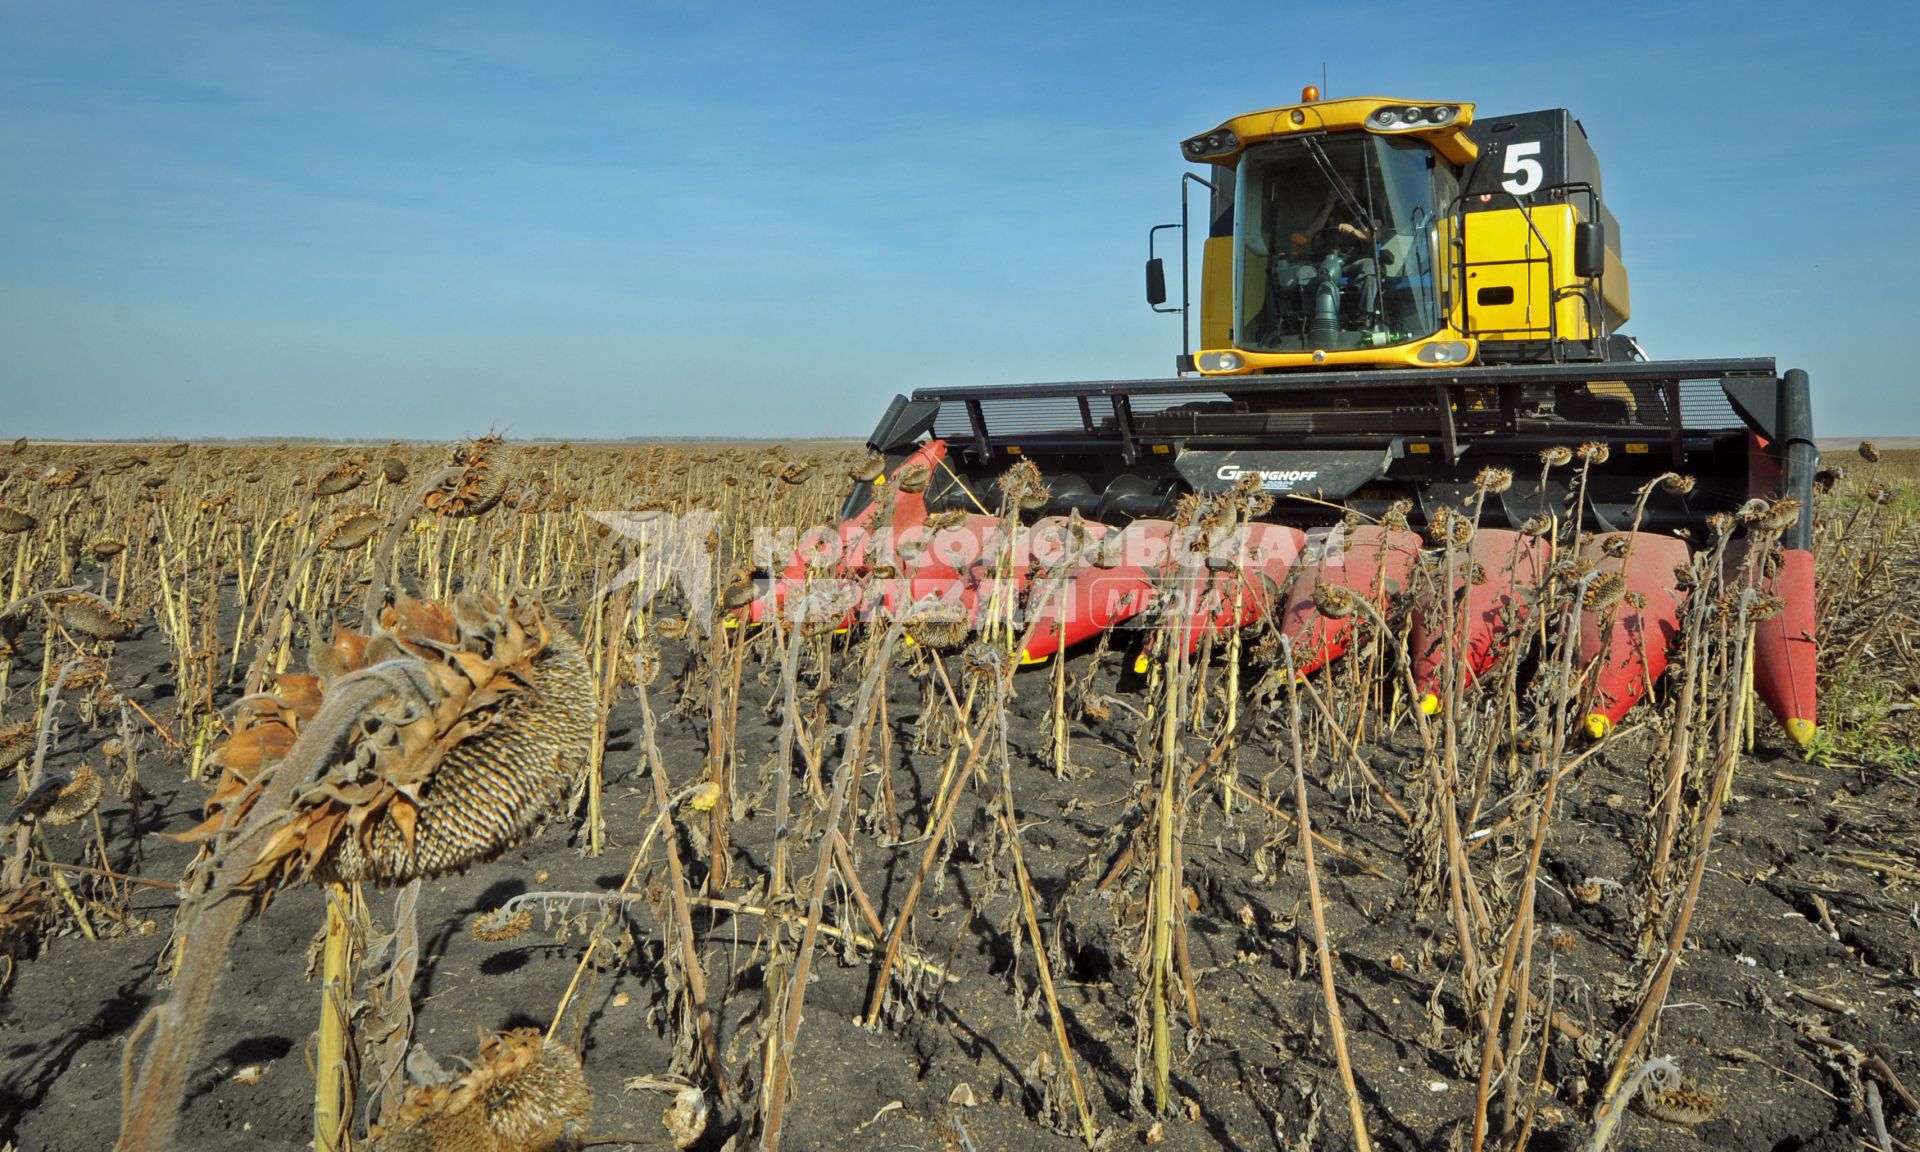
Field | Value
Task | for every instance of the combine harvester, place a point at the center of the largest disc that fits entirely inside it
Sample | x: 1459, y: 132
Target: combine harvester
x: 1396, y: 297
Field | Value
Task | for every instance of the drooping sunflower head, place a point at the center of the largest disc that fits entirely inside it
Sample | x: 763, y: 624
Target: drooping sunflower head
x: 478, y: 487
x: 451, y: 733
x: 92, y: 617
x: 524, y: 1094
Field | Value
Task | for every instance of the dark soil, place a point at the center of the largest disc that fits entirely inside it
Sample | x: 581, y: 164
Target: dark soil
x: 1761, y: 1013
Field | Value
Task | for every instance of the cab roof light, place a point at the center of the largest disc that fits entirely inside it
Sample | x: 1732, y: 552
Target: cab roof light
x: 1218, y: 142
x: 1405, y: 117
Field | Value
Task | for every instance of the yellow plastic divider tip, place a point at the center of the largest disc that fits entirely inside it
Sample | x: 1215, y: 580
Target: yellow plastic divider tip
x: 1027, y: 657
x: 730, y: 622
x: 1802, y: 732
x: 1141, y: 663
x: 1430, y: 704
x: 1598, y: 726
x: 906, y: 641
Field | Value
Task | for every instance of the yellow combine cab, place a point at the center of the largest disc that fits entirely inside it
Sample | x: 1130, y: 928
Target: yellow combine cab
x: 1375, y: 232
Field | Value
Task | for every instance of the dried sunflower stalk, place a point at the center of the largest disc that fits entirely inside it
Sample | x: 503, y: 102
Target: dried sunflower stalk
x: 435, y: 743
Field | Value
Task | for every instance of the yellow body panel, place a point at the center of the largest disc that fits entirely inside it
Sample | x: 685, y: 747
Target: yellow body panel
x: 1216, y: 292
x: 1512, y: 288
x: 1389, y: 356
x: 1614, y: 289
x: 1450, y: 139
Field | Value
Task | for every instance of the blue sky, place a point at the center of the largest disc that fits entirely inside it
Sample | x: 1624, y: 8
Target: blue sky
x: 426, y: 220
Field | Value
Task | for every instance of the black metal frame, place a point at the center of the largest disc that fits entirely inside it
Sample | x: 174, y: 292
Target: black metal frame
x: 1736, y: 376
x: 1185, y: 362
x: 1714, y: 418
x: 1464, y: 376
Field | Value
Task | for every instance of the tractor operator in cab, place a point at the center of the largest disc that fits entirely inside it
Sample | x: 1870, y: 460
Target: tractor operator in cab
x: 1321, y: 272
x: 1323, y: 232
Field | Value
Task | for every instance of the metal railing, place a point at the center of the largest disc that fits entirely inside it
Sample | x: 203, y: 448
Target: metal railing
x: 1639, y: 401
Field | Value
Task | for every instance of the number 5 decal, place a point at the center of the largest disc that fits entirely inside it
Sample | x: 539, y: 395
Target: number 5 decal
x: 1523, y: 173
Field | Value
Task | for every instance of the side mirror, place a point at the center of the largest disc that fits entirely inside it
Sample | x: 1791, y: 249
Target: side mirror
x: 1589, y: 250
x: 1156, y: 282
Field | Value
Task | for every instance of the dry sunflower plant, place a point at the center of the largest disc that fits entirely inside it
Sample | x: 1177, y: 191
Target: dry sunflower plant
x: 1183, y: 885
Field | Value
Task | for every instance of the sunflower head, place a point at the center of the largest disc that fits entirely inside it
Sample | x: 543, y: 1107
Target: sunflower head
x: 453, y: 730
x: 524, y: 1094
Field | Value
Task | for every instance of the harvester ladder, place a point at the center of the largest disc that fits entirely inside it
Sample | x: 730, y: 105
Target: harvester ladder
x: 1551, y: 330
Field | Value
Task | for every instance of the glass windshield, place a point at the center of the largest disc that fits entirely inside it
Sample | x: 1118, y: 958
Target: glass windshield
x: 1335, y: 244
